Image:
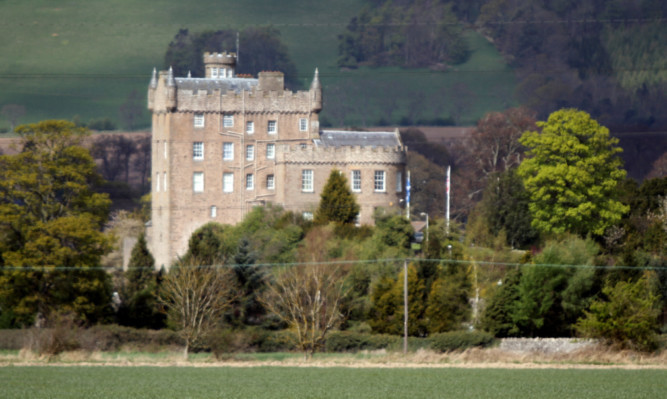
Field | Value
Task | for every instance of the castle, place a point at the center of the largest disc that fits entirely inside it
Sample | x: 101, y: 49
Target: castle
x: 224, y: 144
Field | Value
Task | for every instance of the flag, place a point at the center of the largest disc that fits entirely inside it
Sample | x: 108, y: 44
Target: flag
x: 407, y: 189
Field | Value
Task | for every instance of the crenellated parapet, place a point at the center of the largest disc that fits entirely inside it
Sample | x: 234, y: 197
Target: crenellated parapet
x: 344, y: 155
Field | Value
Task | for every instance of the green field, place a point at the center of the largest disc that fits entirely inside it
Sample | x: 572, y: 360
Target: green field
x: 77, y: 57
x: 297, y: 382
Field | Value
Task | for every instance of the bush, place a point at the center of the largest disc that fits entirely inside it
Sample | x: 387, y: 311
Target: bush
x: 12, y: 339
x: 113, y: 337
x: 459, y: 340
x: 347, y: 341
x: 61, y: 335
x: 628, y: 319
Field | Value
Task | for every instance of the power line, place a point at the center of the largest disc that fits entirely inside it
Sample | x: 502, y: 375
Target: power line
x: 347, y: 262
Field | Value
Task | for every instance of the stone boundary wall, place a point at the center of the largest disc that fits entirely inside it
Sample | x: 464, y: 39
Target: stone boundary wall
x: 546, y: 345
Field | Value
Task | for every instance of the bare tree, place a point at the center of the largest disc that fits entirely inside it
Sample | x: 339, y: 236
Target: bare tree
x: 308, y: 297
x: 495, y: 141
x: 195, y: 298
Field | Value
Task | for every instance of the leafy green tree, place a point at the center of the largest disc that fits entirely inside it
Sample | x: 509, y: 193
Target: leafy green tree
x: 571, y: 174
x: 552, y: 297
x: 207, y: 245
x: 50, y: 227
x: 337, y: 203
x: 628, y: 318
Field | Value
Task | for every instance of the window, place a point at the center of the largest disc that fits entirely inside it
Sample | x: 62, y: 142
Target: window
x: 307, y: 216
x: 307, y: 180
x: 270, y: 182
x: 228, y: 120
x: 227, y: 182
x: 272, y: 127
x: 164, y: 180
x: 165, y: 150
x: 357, y: 220
x: 198, y: 182
x: 227, y: 151
x: 271, y: 151
x: 399, y: 182
x: 214, y: 73
x: 199, y: 120
x: 214, y: 211
x: 379, y: 181
x: 356, y: 180
x: 303, y: 124
x: 249, y: 181
x: 157, y: 182
x: 250, y: 152
x: 198, y: 150
x: 250, y: 127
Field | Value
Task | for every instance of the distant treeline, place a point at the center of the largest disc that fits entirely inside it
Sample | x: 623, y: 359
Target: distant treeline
x: 606, y: 57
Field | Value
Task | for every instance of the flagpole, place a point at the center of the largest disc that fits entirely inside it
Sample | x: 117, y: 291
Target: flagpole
x: 447, y: 188
x: 407, y: 198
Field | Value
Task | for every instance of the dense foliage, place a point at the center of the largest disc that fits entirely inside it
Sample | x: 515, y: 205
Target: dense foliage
x: 415, y: 34
x: 260, y: 50
x: 571, y: 174
x: 50, y: 228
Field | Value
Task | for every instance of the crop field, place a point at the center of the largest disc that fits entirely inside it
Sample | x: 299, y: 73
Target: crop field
x: 85, y: 58
x: 320, y: 382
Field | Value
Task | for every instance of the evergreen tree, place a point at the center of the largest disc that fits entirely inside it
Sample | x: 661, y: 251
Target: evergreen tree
x: 140, y: 306
x: 337, y: 203
x: 247, y: 309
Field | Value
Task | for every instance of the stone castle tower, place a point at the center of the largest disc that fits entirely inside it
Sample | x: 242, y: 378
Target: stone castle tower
x: 224, y: 144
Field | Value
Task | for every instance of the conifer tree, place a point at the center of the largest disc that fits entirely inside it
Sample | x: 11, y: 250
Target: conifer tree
x: 337, y: 203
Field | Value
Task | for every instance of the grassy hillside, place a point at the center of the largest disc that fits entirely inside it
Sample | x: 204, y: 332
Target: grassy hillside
x: 84, y: 58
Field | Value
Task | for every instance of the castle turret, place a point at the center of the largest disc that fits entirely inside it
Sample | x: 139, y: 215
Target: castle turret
x: 316, y: 92
x: 220, y: 65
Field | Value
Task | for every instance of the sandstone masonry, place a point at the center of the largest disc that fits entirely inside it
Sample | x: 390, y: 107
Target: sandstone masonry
x: 224, y: 144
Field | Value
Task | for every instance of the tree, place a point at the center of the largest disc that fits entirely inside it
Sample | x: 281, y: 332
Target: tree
x: 308, y: 296
x: 628, y: 318
x: 50, y: 227
x: 196, y: 297
x: 387, y: 311
x: 261, y: 50
x: 140, y: 306
x: 337, y: 203
x: 505, y: 207
x: 207, y: 245
x: 571, y: 175
x: 495, y: 141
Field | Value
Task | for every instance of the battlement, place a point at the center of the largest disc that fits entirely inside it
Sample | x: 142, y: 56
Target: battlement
x: 349, y: 155
x: 223, y: 58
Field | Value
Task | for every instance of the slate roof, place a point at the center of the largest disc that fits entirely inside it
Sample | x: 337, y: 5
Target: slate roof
x: 209, y: 85
x: 338, y: 138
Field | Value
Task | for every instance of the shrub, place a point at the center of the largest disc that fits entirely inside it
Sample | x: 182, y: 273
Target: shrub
x: 12, y: 339
x: 459, y: 340
x: 113, y: 337
x: 627, y: 320
x: 347, y: 341
x: 60, y: 335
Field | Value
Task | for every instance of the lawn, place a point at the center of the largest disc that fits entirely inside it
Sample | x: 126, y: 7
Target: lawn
x: 78, y: 57
x: 317, y: 382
